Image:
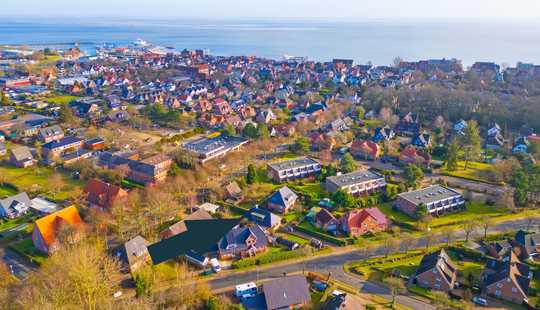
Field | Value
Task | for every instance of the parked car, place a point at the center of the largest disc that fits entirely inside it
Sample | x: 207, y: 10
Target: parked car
x: 216, y: 267
x: 480, y: 301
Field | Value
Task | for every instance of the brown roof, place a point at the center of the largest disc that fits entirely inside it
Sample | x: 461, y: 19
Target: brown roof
x: 181, y: 227
x: 324, y: 216
x: 103, y: 194
x: 233, y: 189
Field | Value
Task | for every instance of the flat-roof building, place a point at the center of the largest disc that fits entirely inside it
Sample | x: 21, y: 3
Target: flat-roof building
x: 209, y: 148
x: 356, y: 183
x: 438, y: 200
x: 294, y: 169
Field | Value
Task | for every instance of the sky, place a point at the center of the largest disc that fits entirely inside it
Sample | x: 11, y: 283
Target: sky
x: 279, y: 9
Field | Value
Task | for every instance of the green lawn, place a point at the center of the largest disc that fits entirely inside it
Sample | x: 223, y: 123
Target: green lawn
x: 374, y: 268
x: 475, y: 171
x: 61, y: 99
x: 26, y: 248
x: 294, y: 238
x: 314, y: 190
x: 473, y: 210
x: 14, y: 222
x: 26, y: 178
x: 6, y: 191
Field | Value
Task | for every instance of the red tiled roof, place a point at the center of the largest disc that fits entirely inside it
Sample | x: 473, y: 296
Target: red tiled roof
x: 103, y: 194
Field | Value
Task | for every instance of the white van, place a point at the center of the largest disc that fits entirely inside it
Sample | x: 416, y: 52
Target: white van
x: 216, y: 267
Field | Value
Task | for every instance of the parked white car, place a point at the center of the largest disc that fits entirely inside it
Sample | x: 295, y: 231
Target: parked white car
x: 216, y: 266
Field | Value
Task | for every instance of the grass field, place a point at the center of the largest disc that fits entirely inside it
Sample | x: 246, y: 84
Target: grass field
x: 475, y: 171
x: 61, y: 99
x: 473, y: 210
x: 6, y: 191
x: 407, y: 263
x: 25, y: 179
x: 14, y: 222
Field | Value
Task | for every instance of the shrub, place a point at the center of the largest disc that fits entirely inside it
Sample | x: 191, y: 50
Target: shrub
x: 268, y: 258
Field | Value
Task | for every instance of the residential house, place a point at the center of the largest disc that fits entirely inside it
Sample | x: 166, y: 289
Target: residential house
x: 42, y: 206
x: 365, y: 149
x: 62, y: 146
x: 94, y: 144
x: 342, y: 301
x: 498, y: 249
x: 436, y: 272
x: 408, y: 125
x: 286, y: 293
x: 242, y: 241
x: 293, y: 169
x: 460, y: 126
x: 525, y: 245
x: 265, y: 116
x: 49, y: 134
x: 15, y: 206
x: 263, y: 218
x: 507, y: 278
x: 521, y: 146
x: 281, y: 201
x: 21, y: 157
x: 46, y: 229
x: 383, y: 134
x: 436, y: 198
x: 362, y: 221
x: 411, y: 155
x: 134, y: 253
x: 148, y: 171
x: 326, y: 221
x: 209, y: 207
x: 233, y: 192
x: 180, y: 227
x: 356, y: 183
x: 103, y: 195
x: 422, y: 140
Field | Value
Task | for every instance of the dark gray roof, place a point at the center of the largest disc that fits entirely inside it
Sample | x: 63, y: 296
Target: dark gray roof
x: 429, y: 194
x: 134, y: 250
x: 283, y: 197
x: 8, y: 204
x: 263, y: 217
x: 294, y: 163
x: 50, y: 131
x: 353, y: 178
x: 284, y: 292
x: 201, y: 236
x: 207, y: 145
x: 436, y: 260
x: 237, y: 236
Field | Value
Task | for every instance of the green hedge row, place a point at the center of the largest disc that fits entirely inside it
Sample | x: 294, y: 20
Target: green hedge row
x: 322, y: 236
x: 268, y: 258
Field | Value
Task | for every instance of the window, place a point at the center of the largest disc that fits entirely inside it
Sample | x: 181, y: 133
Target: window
x: 498, y: 292
x: 499, y: 285
x: 514, y: 290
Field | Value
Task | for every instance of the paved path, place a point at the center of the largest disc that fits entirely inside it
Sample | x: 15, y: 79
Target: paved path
x: 18, y: 266
x: 333, y: 264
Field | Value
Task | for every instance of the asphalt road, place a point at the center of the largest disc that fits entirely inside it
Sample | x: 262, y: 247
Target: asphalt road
x: 334, y: 264
x: 18, y: 266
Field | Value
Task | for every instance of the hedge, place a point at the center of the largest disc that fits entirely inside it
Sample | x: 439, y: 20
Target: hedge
x: 471, y: 254
x: 322, y: 236
x: 268, y: 258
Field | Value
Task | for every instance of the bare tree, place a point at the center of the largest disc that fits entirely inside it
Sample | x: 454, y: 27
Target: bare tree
x: 449, y: 236
x: 396, y: 286
x: 469, y: 227
x: 486, y: 223
x: 407, y: 241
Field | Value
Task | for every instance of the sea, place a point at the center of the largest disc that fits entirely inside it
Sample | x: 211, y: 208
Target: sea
x: 377, y: 41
